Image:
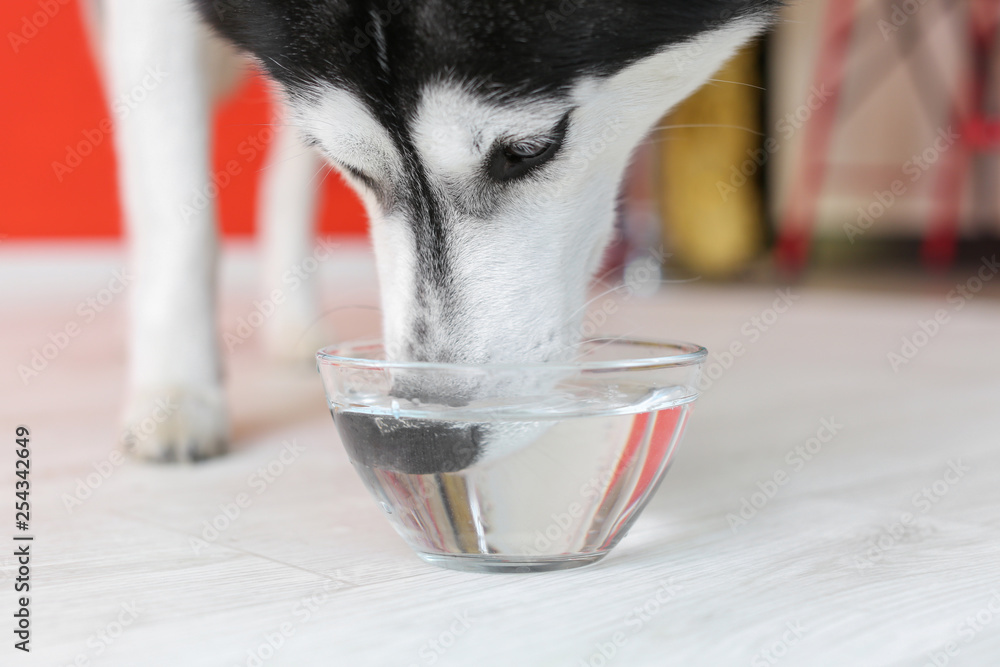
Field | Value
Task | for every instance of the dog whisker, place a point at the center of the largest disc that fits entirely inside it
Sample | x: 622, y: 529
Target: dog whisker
x: 739, y: 83
x: 710, y: 126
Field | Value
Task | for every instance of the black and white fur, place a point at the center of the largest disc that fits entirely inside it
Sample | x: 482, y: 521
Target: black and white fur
x: 487, y: 138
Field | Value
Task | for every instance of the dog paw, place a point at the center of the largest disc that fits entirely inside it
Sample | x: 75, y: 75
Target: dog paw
x: 182, y: 424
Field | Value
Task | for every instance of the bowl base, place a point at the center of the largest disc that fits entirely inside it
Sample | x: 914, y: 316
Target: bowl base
x: 484, y: 564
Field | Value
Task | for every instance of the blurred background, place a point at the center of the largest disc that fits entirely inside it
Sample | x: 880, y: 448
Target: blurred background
x: 870, y: 146
x: 57, y: 163
x: 857, y: 137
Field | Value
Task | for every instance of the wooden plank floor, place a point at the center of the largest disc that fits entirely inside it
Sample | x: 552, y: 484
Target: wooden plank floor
x: 847, y: 563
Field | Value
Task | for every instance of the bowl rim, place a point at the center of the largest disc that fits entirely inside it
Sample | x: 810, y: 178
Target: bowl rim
x: 691, y: 355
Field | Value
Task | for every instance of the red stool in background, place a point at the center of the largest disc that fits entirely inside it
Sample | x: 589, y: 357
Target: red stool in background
x: 979, y: 133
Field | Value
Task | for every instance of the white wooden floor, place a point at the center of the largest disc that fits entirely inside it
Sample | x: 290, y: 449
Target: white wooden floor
x: 847, y: 564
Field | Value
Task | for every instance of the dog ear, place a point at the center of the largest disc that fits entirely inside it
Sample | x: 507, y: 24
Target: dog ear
x: 252, y: 25
x: 289, y: 38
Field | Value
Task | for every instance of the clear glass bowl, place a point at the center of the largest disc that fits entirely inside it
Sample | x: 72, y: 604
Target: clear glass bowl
x: 513, y: 468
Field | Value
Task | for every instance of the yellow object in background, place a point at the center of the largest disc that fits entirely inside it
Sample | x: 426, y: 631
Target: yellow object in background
x: 710, y: 197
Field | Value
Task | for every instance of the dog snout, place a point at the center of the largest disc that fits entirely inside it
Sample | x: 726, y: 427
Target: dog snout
x: 410, y: 446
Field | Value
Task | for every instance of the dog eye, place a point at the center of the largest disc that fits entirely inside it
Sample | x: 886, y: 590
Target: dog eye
x: 526, y: 151
x: 512, y: 161
x: 359, y: 175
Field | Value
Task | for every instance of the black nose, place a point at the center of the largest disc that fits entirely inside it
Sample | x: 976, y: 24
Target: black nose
x: 411, y: 446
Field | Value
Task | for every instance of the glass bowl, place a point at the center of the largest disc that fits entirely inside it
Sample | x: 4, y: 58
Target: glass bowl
x: 513, y: 467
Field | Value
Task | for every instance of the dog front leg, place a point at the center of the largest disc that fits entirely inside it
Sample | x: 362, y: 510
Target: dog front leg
x: 288, y: 198
x: 176, y: 408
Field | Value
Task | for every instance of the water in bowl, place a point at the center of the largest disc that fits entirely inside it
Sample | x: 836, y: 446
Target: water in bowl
x: 564, y: 499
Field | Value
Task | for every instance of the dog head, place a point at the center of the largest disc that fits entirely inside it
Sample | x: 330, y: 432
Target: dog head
x: 488, y: 140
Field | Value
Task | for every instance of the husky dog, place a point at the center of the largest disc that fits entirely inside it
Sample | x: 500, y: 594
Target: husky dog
x: 487, y: 138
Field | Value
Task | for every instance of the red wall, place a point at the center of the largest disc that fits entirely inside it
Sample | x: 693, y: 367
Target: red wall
x: 51, y: 102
